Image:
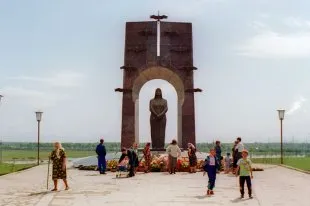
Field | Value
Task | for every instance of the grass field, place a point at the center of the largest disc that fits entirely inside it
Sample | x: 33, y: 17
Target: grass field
x: 20, y: 155
x: 297, y: 162
x: 8, y: 168
x: 9, y: 155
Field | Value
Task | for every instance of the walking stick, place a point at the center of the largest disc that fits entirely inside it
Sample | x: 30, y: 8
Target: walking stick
x: 48, y: 172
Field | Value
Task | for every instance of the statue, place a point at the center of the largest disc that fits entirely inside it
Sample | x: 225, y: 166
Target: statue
x: 158, y: 109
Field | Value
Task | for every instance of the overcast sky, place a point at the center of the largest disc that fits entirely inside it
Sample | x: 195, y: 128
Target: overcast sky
x: 63, y: 57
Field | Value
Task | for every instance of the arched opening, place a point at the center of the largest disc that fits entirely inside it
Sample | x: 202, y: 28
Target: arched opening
x: 164, y: 74
x: 146, y: 94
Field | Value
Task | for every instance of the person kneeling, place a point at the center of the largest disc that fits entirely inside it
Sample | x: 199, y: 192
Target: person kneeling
x: 127, y: 153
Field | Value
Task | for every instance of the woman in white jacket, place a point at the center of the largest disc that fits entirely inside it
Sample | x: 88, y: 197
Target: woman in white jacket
x: 174, y: 152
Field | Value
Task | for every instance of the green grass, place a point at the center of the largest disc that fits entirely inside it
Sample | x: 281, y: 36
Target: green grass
x: 9, y: 155
x: 9, y: 168
x: 302, y: 163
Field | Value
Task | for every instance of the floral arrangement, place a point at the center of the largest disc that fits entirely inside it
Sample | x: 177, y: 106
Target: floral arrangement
x: 200, y: 164
x: 112, y: 164
x: 185, y: 165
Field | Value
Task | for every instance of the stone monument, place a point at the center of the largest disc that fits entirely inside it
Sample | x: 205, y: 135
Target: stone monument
x: 158, y: 50
x: 158, y: 109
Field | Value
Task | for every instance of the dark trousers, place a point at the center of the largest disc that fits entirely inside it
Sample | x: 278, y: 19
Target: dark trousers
x: 101, y: 164
x: 212, y: 177
x: 242, y: 180
x: 237, y: 156
x: 131, y: 170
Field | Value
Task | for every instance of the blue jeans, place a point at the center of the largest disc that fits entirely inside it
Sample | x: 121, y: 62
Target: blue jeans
x: 101, y: 164
x: 212, y: 177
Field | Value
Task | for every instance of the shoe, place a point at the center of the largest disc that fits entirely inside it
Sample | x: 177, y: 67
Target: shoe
x: 54, y: 190
x: 250, y: 196
x: 208, y: 192
x: 67, y: 188
x: 211, y: 192
x: 242, y: 196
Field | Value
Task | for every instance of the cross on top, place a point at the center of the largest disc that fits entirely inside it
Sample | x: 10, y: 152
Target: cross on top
x: 158, y: 17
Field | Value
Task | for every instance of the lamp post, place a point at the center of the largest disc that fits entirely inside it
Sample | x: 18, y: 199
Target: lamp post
x: 39, y: 117
x: 1, y: 96
x: 281, y: 117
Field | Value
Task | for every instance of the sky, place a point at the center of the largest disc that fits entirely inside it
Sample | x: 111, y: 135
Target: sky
x: 64, y: 58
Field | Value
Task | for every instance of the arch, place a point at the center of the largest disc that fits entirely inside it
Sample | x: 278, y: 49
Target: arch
x: 175, y: 65
x: 158, y: 72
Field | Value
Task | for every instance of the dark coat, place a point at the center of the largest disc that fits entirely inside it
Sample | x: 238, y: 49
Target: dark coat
x: 100, y: 150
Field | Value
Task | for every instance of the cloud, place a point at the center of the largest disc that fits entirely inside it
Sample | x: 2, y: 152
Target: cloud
x: 34, y: 98
x: 61, y: 79
x: 280, y: 45
x: 296, y: 22
x: 296, y: 106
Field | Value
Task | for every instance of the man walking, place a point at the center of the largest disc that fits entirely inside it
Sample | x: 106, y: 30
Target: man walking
x: 101, y: 152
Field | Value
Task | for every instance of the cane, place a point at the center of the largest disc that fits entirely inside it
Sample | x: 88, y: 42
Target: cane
x: 48, y: 172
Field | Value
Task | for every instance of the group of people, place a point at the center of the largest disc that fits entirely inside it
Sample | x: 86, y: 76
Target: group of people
x: 212, y: 165
x: 242, y: 166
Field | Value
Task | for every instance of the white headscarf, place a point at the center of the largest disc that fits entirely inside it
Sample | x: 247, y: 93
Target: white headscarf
x: 58, y: 149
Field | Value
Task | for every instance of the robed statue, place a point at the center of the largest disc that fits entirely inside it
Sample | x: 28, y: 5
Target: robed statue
x: 158, y: 109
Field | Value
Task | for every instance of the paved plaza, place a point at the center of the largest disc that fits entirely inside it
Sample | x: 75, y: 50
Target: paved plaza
x: 276, y: 186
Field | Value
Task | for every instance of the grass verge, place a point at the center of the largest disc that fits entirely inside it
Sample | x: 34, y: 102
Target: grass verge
x: 9, y: 168
x: 302, y: 163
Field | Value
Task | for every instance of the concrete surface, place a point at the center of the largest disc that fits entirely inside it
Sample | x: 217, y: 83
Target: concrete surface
x: 273, y: 187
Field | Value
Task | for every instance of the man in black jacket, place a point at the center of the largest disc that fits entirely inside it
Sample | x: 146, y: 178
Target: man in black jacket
x: 130, y: 155
x: 101, y: 152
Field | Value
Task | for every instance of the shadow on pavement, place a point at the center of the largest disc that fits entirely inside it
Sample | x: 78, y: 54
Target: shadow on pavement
x: 238, y: 200
x: 40, y: 193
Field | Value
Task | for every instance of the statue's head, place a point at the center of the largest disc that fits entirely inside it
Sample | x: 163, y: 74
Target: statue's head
x: 158, y: 93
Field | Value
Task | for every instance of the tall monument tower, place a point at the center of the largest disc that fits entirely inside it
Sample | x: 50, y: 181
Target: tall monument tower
x: 158, y: 50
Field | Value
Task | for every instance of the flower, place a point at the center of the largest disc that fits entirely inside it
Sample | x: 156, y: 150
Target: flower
x: 112, y: 164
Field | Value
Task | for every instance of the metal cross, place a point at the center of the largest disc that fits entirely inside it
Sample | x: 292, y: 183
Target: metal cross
x: 158, y: 18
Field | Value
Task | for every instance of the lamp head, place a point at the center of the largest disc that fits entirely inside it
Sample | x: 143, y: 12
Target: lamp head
x: 281, y: 114
x: 39, y: 115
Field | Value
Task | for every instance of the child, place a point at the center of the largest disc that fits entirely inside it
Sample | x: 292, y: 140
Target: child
x: 210, y: 166
x: 227, y: 163
x: 123, y: 164
x: 244, y: 164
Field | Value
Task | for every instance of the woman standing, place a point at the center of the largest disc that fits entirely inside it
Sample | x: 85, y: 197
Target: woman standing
x: 192, y: 158
x: 147, y: 157
x: 59, y: 159
x: 174, y: 152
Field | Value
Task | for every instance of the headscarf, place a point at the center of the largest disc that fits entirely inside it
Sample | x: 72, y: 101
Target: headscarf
x: 58, y: 149
x: 191, y: 146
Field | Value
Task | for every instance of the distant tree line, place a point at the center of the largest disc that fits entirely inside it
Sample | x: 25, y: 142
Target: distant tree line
x: 256, y: 148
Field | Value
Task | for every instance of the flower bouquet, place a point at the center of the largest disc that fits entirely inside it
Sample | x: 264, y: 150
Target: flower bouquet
x: 112, y: 165
x: 141, y: 166
x: 200, y: 164
x: 185, y: 166
x: 155, y: 167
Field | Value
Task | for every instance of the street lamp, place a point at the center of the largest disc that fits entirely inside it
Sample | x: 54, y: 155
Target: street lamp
x: 1, y: 96
x: 39, y: 117
x: 281, y: 117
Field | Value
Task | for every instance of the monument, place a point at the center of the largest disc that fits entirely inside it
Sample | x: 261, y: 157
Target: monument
x: 158, y: 50
x: 158, y: 109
